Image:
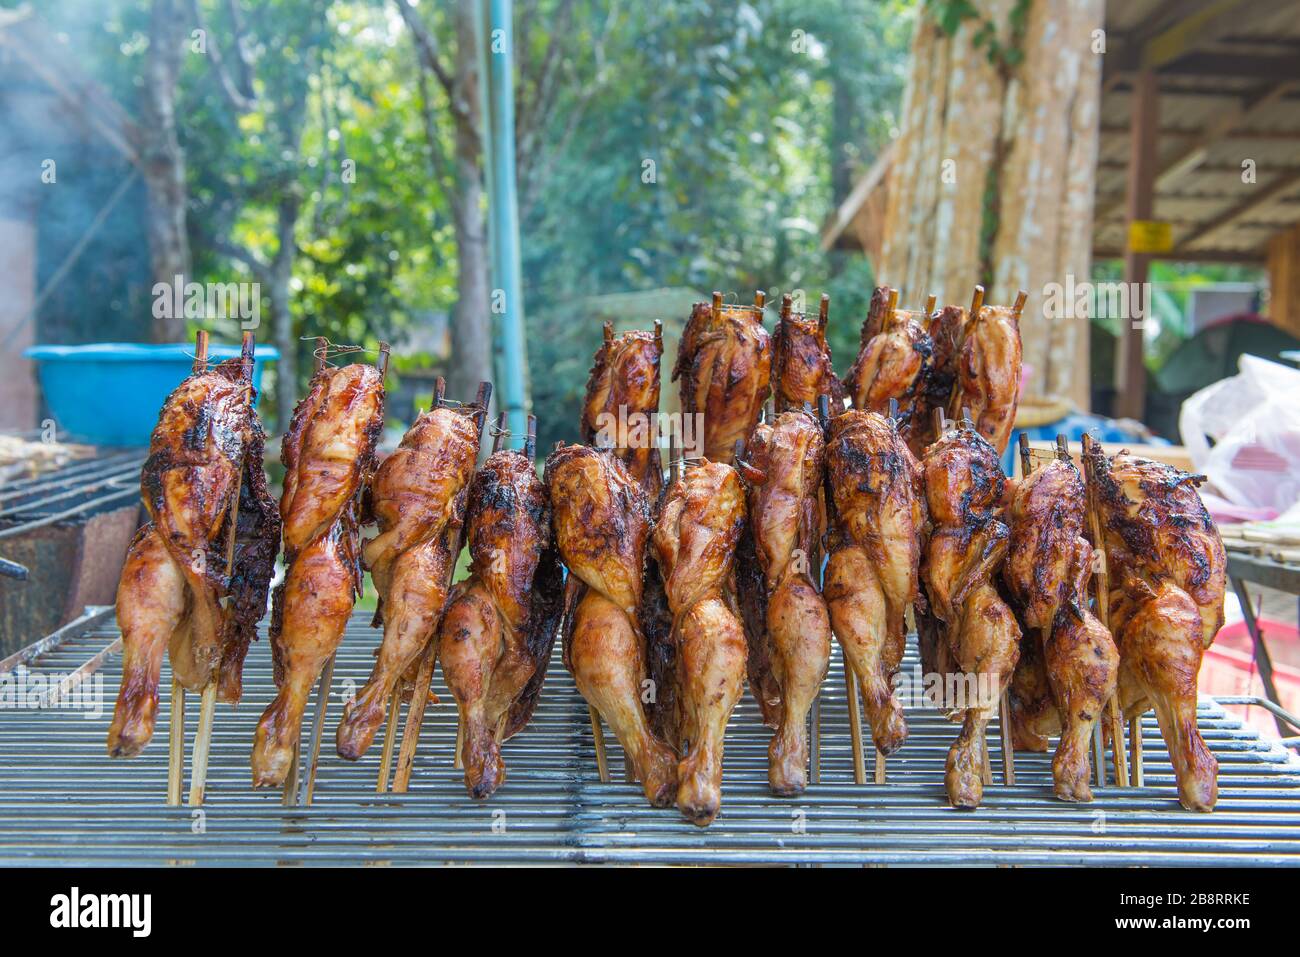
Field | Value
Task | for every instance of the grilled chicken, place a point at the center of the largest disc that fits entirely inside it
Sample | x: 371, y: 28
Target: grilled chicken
x: 601, y: 519
x: 622, y: 403
x: 988, y: 373
x: 500, y: 624
x: 1047, y: 569
x: 724, y: 361
x: 328, y: 457
x: 946, y: 329
x: 894, y: 363
x: 801, y: 359
x: 695, y: 542
x: 1167, y: 574
x: 417, y: 500
x: 170, y: 595
x: 877, y: 519
x: 964, y: 485
x: 784, y: 474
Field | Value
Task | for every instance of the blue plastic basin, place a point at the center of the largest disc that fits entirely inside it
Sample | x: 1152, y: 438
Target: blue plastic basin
x: 110, y: 393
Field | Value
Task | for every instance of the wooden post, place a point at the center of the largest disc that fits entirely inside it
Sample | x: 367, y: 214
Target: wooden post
x: 1144, y: 118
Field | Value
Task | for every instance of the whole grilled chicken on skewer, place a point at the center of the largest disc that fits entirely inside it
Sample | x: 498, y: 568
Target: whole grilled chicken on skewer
x: 1047, y: 569
x: 169, y: 598
x: 988, y: 370
x: 784, y: 474
x: 946, y: 329
x: 622, y: 402
x: 801, y: 359
x: 724, y: 361
x: 894, y: 363
x: 496, y: 635
x: 328, y: 457
x: 964, y: 485
x: 601, y: 519
x: 1167, y: 574
x: 416, y: 499
x: 875, y: 552
x: 695, y: 541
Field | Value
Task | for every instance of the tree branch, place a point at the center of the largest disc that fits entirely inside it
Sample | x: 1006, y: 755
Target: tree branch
x: 240, y: 100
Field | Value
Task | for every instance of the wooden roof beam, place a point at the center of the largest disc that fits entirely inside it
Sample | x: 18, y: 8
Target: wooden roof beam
x: 1279, y: 187
x: 1204, y: 26
x: 1242, y: 113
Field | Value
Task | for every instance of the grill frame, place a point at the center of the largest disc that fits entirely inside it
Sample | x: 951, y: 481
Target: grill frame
x: 64, y: 802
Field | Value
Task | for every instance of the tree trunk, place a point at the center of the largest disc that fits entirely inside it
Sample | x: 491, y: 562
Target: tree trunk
x: 471, y: 321
x: 993, y: 176
x: 280, y: 275
x: 162, y: 162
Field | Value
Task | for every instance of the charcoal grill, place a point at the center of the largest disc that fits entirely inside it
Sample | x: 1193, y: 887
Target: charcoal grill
x: 63, y: 801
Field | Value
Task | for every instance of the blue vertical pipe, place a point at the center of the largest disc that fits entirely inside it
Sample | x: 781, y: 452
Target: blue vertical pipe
x: 503, y: 209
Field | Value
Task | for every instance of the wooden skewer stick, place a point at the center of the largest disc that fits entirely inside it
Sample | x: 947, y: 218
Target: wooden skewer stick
x: 1019, y: 305
x: 395, y: 701
x: 824, y: 314
x: 850, y: 675
x: 424, y: 677
x: 176, y: 730
x: 717, y: 305
x: 208, y: 700
x: 1102, y: 583
x: 608, y: 329
x: 929, y: 304
x: 530, y: 443
x: 760, y: 300
x: 977, y: 301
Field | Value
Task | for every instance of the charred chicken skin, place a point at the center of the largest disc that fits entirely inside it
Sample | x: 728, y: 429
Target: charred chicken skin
x: 895, y: 363
x: 968, y: 541
x: 601, y: 519
x: 1047, y: 569
x: 878, y: 517
x: 695, y: 542
x: 724, y: 362
x: 1167, y: 575
x: 946, y: 329
x: 328, y: 457
x: 169, y: 598
x: 988, y: 374
x: 801, y: 359
x: 500, y: 624
x: 417, y: 500
x: 622, y: 401
x: 784, y: 473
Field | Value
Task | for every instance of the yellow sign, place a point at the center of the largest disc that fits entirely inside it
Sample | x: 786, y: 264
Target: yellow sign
x: 1150, y: 236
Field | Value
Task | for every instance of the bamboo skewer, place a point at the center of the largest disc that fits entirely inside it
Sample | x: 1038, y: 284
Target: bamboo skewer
x: 850, y: 675
x: 208, y: 699
x: 395, y: 700
x: 176, y: 729
x: 424, y: 677
x: 1102, y: 582
x: 929, y: 304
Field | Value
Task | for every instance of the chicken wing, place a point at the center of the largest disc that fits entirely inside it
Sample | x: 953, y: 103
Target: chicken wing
x: 784, y: 476
x: 328, y: 457
x: 416, y: 499
x: 601, y: 519
x: 724, y: 361
x: 1047, y: 569
x: 1167, y: 578
x: 694, y: 542
x: 964, y: 485
x: 877, y: 521
x: 174, y: 579
x: 500, y: 624
x: 801, y: 359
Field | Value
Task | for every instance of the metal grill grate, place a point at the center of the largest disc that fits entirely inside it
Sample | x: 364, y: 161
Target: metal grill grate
x: 77, y: 490
x: 62, y: 801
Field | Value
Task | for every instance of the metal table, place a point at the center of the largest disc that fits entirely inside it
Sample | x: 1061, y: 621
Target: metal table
x: 63, y: 801
x: 1244, y: 568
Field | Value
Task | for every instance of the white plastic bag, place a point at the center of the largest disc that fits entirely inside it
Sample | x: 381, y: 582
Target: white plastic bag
x: 1253, y: 419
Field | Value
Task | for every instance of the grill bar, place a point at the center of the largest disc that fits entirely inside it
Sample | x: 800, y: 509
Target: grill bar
x: 62, y: 801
